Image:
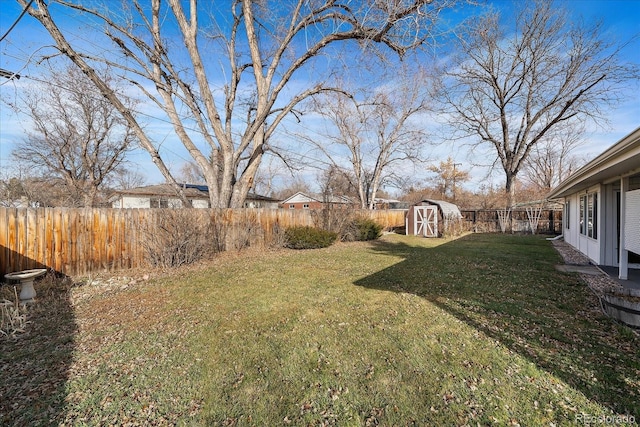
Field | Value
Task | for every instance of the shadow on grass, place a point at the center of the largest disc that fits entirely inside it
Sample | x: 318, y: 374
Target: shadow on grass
x: 34, y: 365
x: 506, y: 287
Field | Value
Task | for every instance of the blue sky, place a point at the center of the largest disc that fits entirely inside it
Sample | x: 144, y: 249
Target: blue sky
x: 621, y: 19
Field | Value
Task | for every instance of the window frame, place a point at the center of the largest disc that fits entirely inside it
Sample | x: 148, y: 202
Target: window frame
x: 589, y: 215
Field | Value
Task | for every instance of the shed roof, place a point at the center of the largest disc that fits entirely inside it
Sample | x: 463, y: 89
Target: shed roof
x: 449, y: 210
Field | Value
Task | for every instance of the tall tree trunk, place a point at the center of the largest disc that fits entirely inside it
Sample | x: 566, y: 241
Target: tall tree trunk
x: 510, y: 190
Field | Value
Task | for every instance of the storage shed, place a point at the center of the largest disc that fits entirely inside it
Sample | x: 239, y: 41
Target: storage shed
x: 429, y: 217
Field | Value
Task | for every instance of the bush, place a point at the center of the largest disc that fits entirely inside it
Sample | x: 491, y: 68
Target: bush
x: 308, y: 238
x: 177, y: 236
x: 335, y: 220
x: 454, y: 228
x: 366, y: 229
x: 361, y: 229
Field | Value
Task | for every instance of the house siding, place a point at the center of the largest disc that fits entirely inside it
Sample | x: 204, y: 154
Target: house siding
x: 589, y: 246
x: 632, y: 215
x: 164, y: 196
x: 613, y: 176
x: 129, y: 202
x: 302, y: 205
x: 610, y: 247
x: 200, y: 204
x: 303, y: 201
x: 133, y: 202
x: 605, y: 249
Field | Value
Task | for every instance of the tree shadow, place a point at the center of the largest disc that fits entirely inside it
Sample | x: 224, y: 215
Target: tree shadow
x: 507, y: 287
x: 35, y: 364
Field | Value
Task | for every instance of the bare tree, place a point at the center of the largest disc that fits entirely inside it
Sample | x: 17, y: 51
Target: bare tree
x: 235, y: 89
x: 74, y: 134
x: 266, y: 178
x: 11, y: 191
x: 295, y: 185
x: 191, y: 173
x: 448, y: 176
x: 335, y: 181
x: 552, y: 160
x: 126, y: 179
x: 379, y: 130
x: 510, y: 88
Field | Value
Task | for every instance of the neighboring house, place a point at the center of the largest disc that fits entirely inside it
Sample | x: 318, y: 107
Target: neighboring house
x: 159, y: 196
x: 164, y: 196
x: 22, y: 202
x: 602, y: 206
x: 258, y: 201
x: 380, y: 203
x: 303, y: 201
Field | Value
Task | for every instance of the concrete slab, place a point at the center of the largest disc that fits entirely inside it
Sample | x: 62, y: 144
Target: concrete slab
x: 583, y: 269
x: 633, y: 279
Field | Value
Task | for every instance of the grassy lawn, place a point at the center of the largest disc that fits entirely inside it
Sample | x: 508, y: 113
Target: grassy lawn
x: 403, y: 331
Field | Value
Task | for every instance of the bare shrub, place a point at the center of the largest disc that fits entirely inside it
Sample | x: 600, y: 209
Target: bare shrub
x: 456, y: 228
x: 334, y: 220
x: 177, y: 237
x: 278, y: 236
x: 219, y: 230
x: 13, y: 316
x: 247, y: 231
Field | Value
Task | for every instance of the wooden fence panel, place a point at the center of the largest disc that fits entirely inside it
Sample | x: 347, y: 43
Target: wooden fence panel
x: 14, y: 258
x: 4, y: 244
x: 80, y: 241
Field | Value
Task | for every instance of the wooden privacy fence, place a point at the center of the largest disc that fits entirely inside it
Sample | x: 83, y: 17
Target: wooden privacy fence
x: 80, y: 241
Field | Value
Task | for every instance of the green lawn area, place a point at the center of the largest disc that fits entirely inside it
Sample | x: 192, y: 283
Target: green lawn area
x: 402, y: 331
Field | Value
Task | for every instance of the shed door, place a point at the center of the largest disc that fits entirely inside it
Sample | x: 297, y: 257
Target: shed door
x: 426, y: 221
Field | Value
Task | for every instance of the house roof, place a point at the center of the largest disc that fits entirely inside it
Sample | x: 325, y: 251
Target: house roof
x: 192, y: 191
x: 449, y: 210
x: 620, y: 160
x: 254, y: 196
x: 301, y: 197
x: 161, y: 190
x: 382, y: 200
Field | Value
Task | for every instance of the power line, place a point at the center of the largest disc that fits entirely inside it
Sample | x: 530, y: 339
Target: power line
x: 17, y: 20
x: 184, y: 118
x: 5, y: 73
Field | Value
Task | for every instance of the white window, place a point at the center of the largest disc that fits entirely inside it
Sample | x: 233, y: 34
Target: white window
x: 292, y: 206
x: 589, y: 215
x: 159, y: 202
x: 567, y: 215
x: 305, y: 206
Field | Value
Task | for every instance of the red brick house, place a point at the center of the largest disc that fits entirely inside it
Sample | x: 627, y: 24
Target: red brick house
x: 303, y: 201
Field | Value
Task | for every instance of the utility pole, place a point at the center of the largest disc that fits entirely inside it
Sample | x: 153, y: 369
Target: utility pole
x: 454, y: 179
